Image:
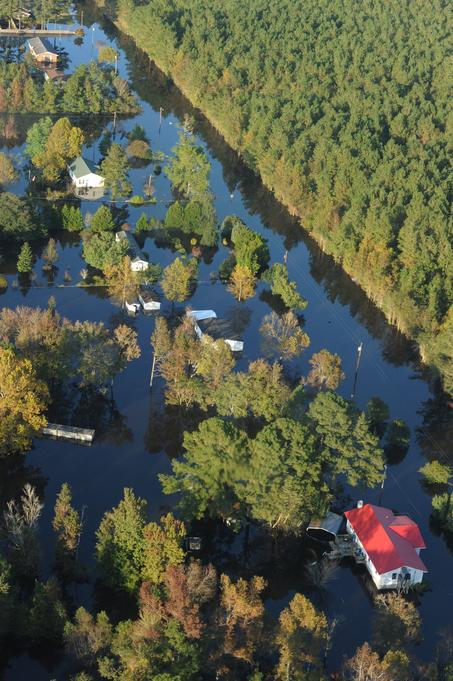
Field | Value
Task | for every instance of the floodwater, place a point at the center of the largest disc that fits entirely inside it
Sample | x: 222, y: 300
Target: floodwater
x: 136, y: 438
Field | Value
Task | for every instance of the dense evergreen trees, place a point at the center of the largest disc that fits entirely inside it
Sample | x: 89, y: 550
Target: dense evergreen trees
x: 342, y: 109
x: 90, y: 89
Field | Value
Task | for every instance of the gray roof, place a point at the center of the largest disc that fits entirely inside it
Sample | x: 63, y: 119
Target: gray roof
x: 218, y: 329
x: 40, y: 46
x: 330, y: 525
x: 149, y: 296
x: 134, y: 250
x: 82, y: 166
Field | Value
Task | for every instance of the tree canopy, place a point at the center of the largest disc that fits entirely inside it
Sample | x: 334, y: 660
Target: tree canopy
x: 344, y: 117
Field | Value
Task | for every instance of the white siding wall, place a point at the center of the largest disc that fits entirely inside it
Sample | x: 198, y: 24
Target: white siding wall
x: 385, y: 580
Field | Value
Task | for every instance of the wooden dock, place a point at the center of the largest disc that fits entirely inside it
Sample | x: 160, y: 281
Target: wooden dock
x: 85, y: 435
x: 33, y: 32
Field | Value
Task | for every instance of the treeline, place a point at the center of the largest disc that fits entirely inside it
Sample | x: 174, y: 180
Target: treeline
x: 90, y: 89
x: 187, y: 621
x: 342, y: 110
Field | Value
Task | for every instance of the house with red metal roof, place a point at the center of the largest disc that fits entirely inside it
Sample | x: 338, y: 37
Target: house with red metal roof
x: 390, y: 543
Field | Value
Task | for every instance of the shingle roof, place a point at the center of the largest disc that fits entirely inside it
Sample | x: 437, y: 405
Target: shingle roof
x: 134, y: 249
x: 40, y: 46
x: 82, y: 166
x: 149, y: 296
x: 390, y: 541
x: 218, y: 328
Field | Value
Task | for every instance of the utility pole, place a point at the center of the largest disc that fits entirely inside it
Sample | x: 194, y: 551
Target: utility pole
x: 384, y: 476
x: 151, y: 378
x: 114, y: 124
x: 160, y: 120
x: 81, y: 18
x: 359, y: 355
x: 92, y: 43
x: 285, y: 257
x: 116, y: 63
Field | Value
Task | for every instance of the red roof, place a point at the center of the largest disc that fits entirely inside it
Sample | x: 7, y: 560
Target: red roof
x: 390, y: 540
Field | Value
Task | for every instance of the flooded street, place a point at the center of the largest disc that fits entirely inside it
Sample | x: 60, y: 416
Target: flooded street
x: 136, y: 437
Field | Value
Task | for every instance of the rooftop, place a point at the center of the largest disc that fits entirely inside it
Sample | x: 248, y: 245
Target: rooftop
x: 82, y: 166
x: 40, y: 46
x: 148, y: 295
x: 134, y: 249
x: 390, y: 540
x: 218, y: 329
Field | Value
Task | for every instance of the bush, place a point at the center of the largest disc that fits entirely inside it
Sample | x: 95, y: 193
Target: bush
x: 139, y: 149
x: 137, y: 200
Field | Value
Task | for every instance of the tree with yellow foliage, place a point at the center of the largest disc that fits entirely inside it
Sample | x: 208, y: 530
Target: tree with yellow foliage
x: 63, y: 144
x: 301, y: 639
x: 242, y: 283
x: 23, y: 400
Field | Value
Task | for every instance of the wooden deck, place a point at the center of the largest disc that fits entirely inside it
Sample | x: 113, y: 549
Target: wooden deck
x: 85, y: 435
x: 344, y: 547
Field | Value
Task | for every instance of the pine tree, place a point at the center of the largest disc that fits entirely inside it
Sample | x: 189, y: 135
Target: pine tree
x: 67, y: 525
x: 72, y: 218
x: 142, y: 224
x: 47, y: 615
x: 25, y: 259
x: 174, y: 218
x: 120, y: 543
x: 115, y: 169
x: 103, y: 220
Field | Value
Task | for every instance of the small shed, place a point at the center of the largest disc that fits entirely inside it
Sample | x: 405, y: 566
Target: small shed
x: 42, y: 51
x: 55, y: 76
x: 83, y: 173
x: 327, y: 528
x: 220, y: 329
x: 138, y: 260
x: 149, y: 299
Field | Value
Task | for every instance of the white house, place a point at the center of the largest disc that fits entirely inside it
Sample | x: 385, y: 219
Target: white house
x: 149, y: 299
x: 207, y: 323
x: 138, y: 260
x: 83, y: 174
x: 390, y: 543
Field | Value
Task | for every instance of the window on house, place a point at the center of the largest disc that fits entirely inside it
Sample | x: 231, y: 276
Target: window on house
x: 394, y: 576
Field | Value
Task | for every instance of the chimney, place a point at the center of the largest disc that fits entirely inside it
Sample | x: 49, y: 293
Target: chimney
x: 360, y: 503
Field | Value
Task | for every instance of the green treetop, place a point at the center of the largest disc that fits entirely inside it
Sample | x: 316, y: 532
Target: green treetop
x: 25, y: 259
x: 102, y: 220
x: 115, y: 170
x: 177, y: 280
x: 120, y: 546
x: 281, y: 286
x: 189, y: 168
